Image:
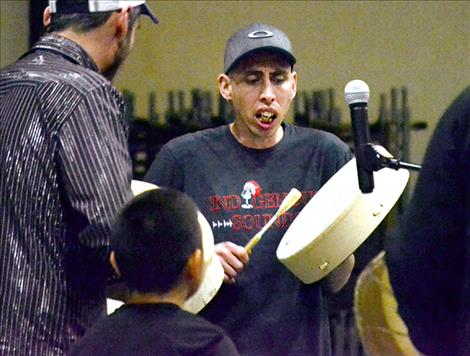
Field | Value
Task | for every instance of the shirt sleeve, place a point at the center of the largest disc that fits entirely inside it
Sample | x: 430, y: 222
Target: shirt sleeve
x: 96, y: 168
x: 165, y: 170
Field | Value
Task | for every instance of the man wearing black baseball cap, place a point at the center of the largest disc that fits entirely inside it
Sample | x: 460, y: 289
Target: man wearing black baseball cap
x: 255, y: 38
x: 66, y: 171
x: 263, y: 306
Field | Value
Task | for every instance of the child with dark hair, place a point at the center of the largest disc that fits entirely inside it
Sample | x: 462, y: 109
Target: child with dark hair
x: 157, y: 244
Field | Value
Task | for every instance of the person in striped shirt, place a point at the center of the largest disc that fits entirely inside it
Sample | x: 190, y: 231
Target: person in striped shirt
x: 65, y: 172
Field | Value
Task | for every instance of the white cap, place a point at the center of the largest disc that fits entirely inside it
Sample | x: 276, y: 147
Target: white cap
x: 62, y: 7
x: 356, y: 91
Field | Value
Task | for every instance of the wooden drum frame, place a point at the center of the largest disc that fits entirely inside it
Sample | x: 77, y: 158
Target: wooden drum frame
x: 337, y: 220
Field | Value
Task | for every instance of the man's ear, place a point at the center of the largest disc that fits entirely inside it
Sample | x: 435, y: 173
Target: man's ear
x: 122, y: 22
x: 193, y: 272
x: 225, y: 86
x: 294, y: 84
x: 46, y: 17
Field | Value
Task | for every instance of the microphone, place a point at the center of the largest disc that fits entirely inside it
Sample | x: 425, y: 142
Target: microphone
x: 356, y: 94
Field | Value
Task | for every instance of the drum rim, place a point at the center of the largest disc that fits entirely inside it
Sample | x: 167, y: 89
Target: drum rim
x: 208, y: 287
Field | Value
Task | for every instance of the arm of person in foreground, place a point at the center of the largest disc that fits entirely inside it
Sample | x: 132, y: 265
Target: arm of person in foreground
x: 96, y: 175
x: 338, y: 278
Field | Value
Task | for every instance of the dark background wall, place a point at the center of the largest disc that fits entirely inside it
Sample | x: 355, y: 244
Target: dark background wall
x: 36, y: 9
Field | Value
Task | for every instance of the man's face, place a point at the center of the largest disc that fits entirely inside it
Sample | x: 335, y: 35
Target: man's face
x: 261, y: 88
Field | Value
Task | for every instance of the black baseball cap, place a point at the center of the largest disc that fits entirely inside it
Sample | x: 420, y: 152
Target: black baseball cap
x: 90, y: 6
x: 256, y: 37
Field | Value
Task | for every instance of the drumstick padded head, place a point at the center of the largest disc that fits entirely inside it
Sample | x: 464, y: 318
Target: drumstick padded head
x: 286, y: 204
x: 290, y: 199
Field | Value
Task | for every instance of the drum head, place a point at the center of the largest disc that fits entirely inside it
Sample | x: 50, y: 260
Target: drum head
x: 380, y: 327
x: 213, y: 272
x: 138, y: 186
x: 337, y: 220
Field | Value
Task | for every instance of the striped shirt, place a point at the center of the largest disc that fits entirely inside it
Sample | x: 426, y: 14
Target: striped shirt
x: 65, y: 170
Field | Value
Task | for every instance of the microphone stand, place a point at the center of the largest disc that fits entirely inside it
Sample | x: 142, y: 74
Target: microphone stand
x: 376, y: 157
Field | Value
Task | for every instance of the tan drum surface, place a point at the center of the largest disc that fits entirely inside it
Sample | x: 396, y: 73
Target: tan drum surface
x: 337, y: 220
x: 213, y: 272
x: 380, y: 327
x: 138, y: 186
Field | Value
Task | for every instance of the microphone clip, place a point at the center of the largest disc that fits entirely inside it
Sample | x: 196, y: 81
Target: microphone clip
x: 377, y: 157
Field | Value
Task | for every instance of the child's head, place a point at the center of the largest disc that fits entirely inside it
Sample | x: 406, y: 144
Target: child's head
x: 157, y: 242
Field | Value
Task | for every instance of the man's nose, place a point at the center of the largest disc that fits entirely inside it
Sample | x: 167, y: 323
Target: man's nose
x: 267, y: 93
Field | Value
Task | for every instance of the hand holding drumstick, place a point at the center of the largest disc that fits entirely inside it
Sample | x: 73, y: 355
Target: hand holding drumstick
x: 234, y: 257
x: 286, y: 204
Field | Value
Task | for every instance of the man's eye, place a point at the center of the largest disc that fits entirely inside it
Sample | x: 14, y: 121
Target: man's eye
x: 251, y: 79
x: 279, y: 79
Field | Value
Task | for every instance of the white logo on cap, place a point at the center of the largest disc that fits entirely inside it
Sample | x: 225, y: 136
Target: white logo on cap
x: 261, y: 34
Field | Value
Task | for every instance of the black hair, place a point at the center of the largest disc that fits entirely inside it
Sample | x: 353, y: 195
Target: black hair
x: 85, y: 22
x: 153, y: 237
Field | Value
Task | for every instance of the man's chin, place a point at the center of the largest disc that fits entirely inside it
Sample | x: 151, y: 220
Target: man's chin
x: 111, y: 72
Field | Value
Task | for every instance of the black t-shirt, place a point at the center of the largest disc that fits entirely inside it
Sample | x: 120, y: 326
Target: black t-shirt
x: 238, y: 189
x: 154, y: 329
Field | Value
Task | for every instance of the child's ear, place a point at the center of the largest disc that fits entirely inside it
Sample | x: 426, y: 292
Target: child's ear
x: 194, y: 269
x: 112, y: 261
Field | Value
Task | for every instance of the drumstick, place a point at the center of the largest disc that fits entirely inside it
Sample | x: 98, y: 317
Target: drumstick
x: 286, y: 204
